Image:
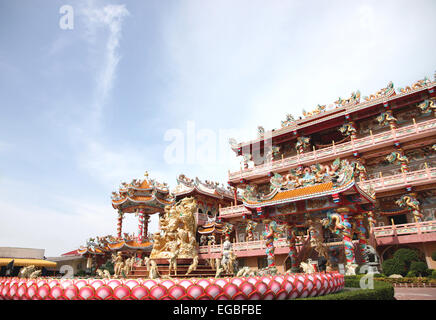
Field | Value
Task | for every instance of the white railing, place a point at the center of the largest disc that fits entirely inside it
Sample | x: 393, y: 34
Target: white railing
x: 399, y: 180
x: 243, y: 246
x: 234, y: 211
x: 380, y: 184
x: 405, y: 229
x: 336, y: 150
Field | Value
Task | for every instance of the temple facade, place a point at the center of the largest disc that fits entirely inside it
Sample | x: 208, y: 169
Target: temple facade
x: 343, y: 186
x: 388, y: 138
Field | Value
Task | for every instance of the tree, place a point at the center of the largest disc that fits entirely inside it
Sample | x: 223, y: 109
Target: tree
x: 406, y: 256
x: 433, y: 256
x: 394, y: 266
x: 419, y: 267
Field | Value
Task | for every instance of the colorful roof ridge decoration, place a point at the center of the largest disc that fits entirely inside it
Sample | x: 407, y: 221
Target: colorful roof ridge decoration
x: 104, y: 245
x: 341, y: 106
x: 147, y: 195
x: 306, y: 183
x: 186, y: 186
x: 211, y: 226
x: 130, y: 244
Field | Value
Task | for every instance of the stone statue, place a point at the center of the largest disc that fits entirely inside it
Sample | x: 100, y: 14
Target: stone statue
x: 35, y: 274
x: 193, y: 266
x: 147, y: 263
x: 178, y: 228
x: 118, y: 263
x: 99, y: 273
x: 27, y: 271
x: 219, y: 268
x: 173, y: 258
x: 307, y: 267
x: 410, y: 201
x: 154, y: 273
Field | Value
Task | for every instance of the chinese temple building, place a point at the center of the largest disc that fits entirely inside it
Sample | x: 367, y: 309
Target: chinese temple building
x: 342, y: 184
x: 387, y: 200
x: 141, y: 198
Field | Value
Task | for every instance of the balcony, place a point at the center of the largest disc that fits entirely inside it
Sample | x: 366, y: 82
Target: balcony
x: 254, y: 248
x: 382, y: 184
x: 413, y: 178
x: 406, y: 233
x: 234, y: 211
x: 411, y: 132
x: 244, y: 249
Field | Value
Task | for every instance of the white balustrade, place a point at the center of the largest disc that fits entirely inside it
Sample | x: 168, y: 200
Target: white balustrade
x: 333, y: 151
x: 405, y: 229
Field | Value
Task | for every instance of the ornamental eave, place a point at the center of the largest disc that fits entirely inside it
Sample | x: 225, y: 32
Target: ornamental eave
x: 330, y: 114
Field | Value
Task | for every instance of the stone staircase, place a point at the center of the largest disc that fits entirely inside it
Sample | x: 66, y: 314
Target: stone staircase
x: 204, y: 270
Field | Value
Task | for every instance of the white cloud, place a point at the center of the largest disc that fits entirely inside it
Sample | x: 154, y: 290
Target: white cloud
x: 110, y: 19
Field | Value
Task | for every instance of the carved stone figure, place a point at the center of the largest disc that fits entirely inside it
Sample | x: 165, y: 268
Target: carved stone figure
x: 246, y: 272
x: 318, y: 110
x: 118, y: 263
x: 193, y: 265
x: 302, y: 144
x: 178, y: 227
x: 25, y: 272
x: 354, y: 99
x: 307, y: 267
x: 154, y: 273
x: 384, y: 92
x: 128, y: 266
x: 288, y: 121
x: 226, y: 260
x: 398, y: 158
x: 99, y: 273
x: 348, y: 129
x: 173, y: 258
x: 409, y: 200
x: 418, y: 84
x: 219, y: 269
x: 35, y: 274
x: 386, y: 118
x: 428, y: 106
x: 251, y: 226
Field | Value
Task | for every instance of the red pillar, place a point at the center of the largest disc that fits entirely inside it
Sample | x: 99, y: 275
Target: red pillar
x: 120, y: 224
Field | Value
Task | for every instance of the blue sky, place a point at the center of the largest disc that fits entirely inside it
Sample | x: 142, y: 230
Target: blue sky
x: 84, y: 109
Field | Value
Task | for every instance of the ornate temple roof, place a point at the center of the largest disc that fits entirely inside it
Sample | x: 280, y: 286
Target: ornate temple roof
x: 107, y: 244
x: 339, y: 108
x: 131, y: 244
x: 308, y: 183
x: 211, y: 227
x: 148, y: 194
x: 186, y: 186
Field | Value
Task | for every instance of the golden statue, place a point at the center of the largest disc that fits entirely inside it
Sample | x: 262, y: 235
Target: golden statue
x: 178, y: 227
x: 27, y: 271
x: 193, y: 266
x: 154, y: 273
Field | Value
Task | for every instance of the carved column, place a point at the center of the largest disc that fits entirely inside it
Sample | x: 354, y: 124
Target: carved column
x: 268, y: 235
x: 292, y: 239
x: 120, y: 224
x: 392, y: 120
x: 347, y: 236
x: 146, y: 221
x: 141, y: 226
x: 371, y: 221
x: 235, y: 195
x: 361, y: 233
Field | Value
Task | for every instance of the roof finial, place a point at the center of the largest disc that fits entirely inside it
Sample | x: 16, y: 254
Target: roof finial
x: 146, y: 174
